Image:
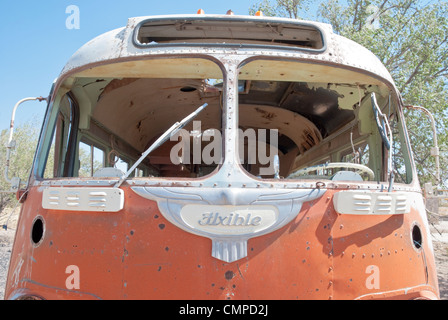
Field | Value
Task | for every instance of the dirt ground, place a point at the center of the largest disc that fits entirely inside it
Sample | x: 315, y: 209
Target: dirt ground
x: 439, y: 232
x: 441, y: 252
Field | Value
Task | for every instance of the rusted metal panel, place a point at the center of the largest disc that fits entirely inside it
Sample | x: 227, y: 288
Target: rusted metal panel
x: 138, y: 254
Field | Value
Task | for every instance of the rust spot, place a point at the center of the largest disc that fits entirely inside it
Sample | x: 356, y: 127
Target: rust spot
x: 96, y: 81
x: 229, y: 275
x: 115, y: 84
x: 265, y: 114
x: 139, y: 125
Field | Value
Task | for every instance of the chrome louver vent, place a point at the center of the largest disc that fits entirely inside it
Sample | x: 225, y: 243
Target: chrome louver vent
x: 83, y: 199
x: 363, y: 203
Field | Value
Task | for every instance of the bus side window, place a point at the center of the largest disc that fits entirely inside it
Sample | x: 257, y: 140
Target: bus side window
x: 91, y: 159
x: 62, y: 151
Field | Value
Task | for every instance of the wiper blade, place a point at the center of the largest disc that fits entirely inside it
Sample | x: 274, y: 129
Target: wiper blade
x: 161, y: 140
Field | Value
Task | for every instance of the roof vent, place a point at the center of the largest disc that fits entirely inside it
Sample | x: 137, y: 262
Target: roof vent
x: 229, y: 31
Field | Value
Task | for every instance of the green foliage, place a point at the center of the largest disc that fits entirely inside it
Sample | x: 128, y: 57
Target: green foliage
x: 21, y: 158
x: 282, y: 8
x: 411, y: 38
x: 85, y: 167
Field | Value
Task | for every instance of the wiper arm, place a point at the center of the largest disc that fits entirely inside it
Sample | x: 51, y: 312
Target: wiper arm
x: 162, y: 139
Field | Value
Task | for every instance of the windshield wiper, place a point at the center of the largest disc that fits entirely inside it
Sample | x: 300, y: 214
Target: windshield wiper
x: 164, y: 137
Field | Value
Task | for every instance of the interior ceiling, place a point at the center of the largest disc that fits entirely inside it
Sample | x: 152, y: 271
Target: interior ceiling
x: 319, y: 104
x: 140, y: 110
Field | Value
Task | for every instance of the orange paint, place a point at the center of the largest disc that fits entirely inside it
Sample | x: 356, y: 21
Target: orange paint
x: 137, y: 254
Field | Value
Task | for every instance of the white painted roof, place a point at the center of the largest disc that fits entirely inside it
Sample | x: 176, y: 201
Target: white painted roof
x: 118, y: 44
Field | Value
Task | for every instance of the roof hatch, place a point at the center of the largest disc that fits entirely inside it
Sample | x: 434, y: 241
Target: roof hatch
x: 229, y: 32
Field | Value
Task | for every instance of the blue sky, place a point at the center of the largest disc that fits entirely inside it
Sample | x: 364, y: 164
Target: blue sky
x: 35, y: 43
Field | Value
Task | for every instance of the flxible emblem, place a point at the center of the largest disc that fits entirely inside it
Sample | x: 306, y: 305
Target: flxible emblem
x: 229, y: 216
x: 228, y: 219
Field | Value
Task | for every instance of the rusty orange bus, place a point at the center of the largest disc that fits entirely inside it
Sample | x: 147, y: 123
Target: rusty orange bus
x: 199, y: 157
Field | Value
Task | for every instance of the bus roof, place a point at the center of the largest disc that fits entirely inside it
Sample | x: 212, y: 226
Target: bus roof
x: 202, y: 34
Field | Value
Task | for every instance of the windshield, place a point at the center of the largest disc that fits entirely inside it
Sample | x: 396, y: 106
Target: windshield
x: 114, y: 113
x: 296, y: 121
x: 321, y: 122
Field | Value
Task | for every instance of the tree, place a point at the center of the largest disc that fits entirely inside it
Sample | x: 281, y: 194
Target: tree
x: 411, y: 39
x: 283, y: 8
x: 21, y: 158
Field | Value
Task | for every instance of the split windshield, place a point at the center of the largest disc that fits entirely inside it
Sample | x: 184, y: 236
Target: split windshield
x: 295, y: 121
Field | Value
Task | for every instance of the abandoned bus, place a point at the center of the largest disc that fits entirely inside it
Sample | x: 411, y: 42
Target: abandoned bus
x: 222, y: 157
